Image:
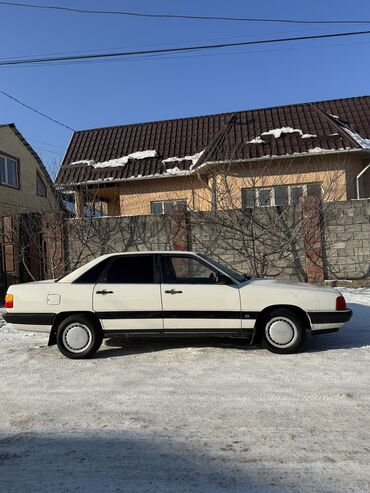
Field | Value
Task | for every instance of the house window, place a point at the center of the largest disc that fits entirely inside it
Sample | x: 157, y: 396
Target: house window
x: 265, y: 197
x: 8, y: 171
x: 40, y: 187
x: 248, y: 198
x: 314, y: 190
x: 167, y: 206
x: 296, y: 193
x: 280, y: 195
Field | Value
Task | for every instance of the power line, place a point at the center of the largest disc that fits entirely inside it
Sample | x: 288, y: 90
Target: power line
x: 36, y: 111
x: 151, y: 45
x: 190, y: 55
x: 184, y: 17
x: 28, y: 61
x: 46, y: 143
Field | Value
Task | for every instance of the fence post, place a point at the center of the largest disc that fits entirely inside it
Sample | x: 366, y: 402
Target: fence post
x: 311, y: 207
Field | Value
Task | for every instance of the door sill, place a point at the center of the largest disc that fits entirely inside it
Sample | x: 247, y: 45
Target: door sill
x: 245, y: 333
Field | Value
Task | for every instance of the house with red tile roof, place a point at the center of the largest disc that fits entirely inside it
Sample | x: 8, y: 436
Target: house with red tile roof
x: 264, y: 157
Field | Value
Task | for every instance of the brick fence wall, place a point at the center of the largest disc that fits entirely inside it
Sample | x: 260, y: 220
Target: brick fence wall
x: 346, y: 242
x: 315, y: 244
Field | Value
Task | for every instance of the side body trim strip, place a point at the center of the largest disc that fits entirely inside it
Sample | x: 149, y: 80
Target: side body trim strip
x: 178, y: 314
x: 29, y: 318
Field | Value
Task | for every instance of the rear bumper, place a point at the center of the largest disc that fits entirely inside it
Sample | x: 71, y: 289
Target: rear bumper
x: 327, y: 321
x: 32, y: 322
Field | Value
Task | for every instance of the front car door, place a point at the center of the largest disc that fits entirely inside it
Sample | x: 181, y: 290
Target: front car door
x: 127, y: 296
x: 195, y: 297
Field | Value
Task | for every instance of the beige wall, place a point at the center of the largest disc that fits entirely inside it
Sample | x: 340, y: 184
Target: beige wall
x: 25, y: 198
x: 335, y: 172
x: 136, y: 197
x: 365, y: 180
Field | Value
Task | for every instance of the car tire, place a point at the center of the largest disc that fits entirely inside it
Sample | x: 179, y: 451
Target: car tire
x: 78, y: 337
x: 283, y: 332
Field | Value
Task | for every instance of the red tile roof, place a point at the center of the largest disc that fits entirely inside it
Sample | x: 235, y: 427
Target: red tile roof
x: 223, y: 137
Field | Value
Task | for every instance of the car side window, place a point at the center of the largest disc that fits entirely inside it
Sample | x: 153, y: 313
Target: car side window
x: 91, y: 276
x: 130, y: 270
x: 186, y: 270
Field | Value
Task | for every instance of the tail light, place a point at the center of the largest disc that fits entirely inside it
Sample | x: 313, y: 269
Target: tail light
x: 341, y: 303
x: 9, y: 301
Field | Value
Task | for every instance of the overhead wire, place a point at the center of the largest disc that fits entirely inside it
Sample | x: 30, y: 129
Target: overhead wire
x: 43, y: 60
x: 183, y: 16
x: 146, y: 45
x: 36, y: 111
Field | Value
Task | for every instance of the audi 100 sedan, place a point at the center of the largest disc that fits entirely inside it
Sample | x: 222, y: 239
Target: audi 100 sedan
x: 170, y: 294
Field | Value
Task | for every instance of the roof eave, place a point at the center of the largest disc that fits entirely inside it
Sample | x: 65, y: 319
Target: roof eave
x: 196, y: 170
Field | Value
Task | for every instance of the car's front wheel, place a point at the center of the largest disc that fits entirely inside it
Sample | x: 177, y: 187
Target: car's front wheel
x: 283, y: 332
x: 78, y: 337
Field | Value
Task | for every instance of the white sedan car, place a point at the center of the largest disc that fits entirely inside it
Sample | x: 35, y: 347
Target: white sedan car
x: 170, y: 293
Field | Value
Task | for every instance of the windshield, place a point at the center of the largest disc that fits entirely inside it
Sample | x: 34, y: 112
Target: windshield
x: 239, y: 276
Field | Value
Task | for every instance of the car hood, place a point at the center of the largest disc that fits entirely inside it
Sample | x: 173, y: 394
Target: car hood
x: 291, y: 286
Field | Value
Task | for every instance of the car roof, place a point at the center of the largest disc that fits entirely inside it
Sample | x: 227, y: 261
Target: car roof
x: 80, y: 270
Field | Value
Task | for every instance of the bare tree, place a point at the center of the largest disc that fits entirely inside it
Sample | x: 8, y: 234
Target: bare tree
x: 266, y: 217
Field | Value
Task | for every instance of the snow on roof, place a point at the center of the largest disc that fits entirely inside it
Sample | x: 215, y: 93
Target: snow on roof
x: 277, y: 132
x: 89, y: 162
x: 174, y: 171
x: 317, y: 150
x: 99, y: 180
x: 121, y: 161
x: 256, y: 140
x: 362, y: 141
x: 194, y: 159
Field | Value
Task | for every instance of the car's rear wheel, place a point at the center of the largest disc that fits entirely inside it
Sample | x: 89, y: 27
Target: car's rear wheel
x: 283, y: 332
x: 78, y: 337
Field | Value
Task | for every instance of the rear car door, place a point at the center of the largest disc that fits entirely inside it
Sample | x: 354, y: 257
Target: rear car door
x: 127, y: 295
x: 195, y: 297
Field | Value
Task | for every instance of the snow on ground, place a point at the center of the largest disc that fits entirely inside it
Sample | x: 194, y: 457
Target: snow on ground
x: 188, y: 415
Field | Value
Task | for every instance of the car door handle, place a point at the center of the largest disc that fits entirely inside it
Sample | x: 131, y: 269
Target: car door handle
x: 173, y: 291
x: 104, y: 291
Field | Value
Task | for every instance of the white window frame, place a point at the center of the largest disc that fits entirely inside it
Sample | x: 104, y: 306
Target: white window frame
x: 163, y: 202
x: 272, y: 193
x: 6, y: 177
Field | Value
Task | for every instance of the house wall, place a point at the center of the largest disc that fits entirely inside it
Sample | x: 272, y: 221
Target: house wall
x: 136, y: 197
x: 20, y: 215
x: 365, y: 180
x: 25, y: 198
x: 336, y: 173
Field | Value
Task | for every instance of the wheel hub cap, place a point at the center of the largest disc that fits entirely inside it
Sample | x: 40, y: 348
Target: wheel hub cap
x: 281, y: 332
x: 77, y: 337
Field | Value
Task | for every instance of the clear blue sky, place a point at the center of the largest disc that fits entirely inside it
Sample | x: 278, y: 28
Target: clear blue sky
x: 112, y: 93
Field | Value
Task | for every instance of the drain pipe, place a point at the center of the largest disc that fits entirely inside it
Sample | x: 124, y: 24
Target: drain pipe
x: 358, y: 182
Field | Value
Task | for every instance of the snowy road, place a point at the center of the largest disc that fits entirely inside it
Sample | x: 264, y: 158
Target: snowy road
x: 188, y: 416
